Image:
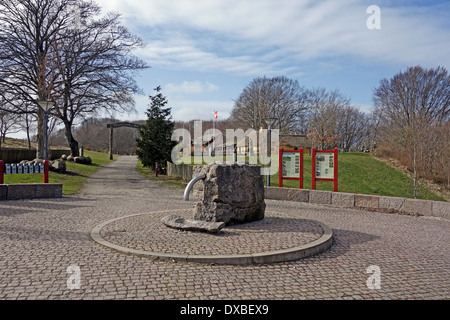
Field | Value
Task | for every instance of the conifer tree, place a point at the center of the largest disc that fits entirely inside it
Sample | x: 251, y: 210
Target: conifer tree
x: 155, y: 143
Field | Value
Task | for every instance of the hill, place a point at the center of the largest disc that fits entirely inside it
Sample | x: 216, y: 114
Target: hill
x: 362, y: 173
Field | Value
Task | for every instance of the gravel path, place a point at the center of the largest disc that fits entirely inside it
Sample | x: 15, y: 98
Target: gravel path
x: 42, y: 243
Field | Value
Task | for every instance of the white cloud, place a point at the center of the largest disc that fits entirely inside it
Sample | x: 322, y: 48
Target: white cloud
x: 255, y: 37
x: 190, y: 87
x: 184, y: 110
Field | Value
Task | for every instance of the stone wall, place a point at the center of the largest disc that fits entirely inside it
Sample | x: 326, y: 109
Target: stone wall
x: 30, y: 191
x: 369, y: 202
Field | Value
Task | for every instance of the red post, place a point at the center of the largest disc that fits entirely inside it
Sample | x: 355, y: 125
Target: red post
x: 2, y: 172
x: 46, y: 170
x: 335, y: 169
x: 280, y: 170
x: 156, y: 169
x: 301, y: 168
x: 313, y: 176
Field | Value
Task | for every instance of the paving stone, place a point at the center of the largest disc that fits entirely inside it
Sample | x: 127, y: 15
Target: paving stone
x: 41, y: 238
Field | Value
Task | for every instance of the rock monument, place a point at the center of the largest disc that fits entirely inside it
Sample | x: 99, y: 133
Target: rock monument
x: 232, y: 194
x: 229, y: 194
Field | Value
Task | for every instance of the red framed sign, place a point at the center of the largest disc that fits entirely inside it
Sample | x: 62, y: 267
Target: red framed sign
x: 291, y: 166
x: 324, y: 167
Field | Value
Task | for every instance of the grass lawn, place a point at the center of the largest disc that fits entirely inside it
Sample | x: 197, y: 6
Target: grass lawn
x: 361, y: 173
x: 72, y: 180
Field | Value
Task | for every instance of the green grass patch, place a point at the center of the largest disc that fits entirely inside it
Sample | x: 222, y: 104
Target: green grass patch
x: 359, y: 173
x: 73, y: 180
x: 170, y: 182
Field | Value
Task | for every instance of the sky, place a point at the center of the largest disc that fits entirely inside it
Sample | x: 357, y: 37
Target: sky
x: 203, y: 53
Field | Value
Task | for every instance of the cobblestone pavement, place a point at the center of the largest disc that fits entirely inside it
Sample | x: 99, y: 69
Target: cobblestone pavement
x: 41, y: 239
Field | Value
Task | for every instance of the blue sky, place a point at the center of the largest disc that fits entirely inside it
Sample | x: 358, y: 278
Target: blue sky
x: 205, y: 52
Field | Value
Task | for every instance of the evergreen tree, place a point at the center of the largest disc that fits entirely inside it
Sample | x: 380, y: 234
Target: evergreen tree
x: 155, y: 143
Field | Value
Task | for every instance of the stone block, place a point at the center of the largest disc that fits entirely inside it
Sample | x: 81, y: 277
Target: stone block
x: 21, y: 191
x: 49, y: 191
x: 441, y: 209
x: 392, y: 203
x: 232, y: 194
x: 298, y: 195
x: 366, y: 201
x: 346, y: 200
x: 276, y: 193
x: 3, y: 192
x: 320, y: 197
x: 422, y: 207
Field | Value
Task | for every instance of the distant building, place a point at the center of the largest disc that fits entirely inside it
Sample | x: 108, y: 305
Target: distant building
x: 294, y: 142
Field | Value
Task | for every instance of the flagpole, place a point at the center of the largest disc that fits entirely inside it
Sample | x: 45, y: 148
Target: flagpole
x: 214, y: 133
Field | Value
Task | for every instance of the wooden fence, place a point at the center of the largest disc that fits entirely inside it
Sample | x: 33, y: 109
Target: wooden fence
x: 180, y: 171
x: 17, y: 155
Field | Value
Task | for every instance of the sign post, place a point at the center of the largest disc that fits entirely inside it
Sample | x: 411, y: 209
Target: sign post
x: 46, y: 170
x: 324, y: 167
x: 291, y: 166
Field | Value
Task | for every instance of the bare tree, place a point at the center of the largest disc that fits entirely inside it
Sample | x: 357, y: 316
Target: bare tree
x: 27, y: 30
x: 410, y: 106
x: 351, y: 127
x: 277, y: 97
x: 96, y: 70
x: 84, y: 69
x: 8, y: 124
x: 327, y: 108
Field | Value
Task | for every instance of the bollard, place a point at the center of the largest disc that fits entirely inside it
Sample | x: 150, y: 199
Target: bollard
x: 46, y: 170
x: 156, y: 169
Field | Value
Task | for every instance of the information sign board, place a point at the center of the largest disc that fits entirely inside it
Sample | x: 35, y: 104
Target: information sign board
x: 325, y: 166
x: 291, y: 166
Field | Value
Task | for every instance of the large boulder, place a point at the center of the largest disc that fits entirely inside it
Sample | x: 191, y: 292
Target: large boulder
x: 232, y: 194
x: 58, y: 165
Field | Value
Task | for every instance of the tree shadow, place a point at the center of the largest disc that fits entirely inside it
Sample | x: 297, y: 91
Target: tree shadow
x: 344, y: 241
x: 20, y: 207
x: 40, y: 234
x: 273, y: 225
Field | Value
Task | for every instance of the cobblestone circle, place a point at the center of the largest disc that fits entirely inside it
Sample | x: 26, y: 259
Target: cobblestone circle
x: 147, y: 232
x: 41, y: 239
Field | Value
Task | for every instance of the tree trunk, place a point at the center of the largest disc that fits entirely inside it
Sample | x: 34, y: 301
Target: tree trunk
x: 73, y: 144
